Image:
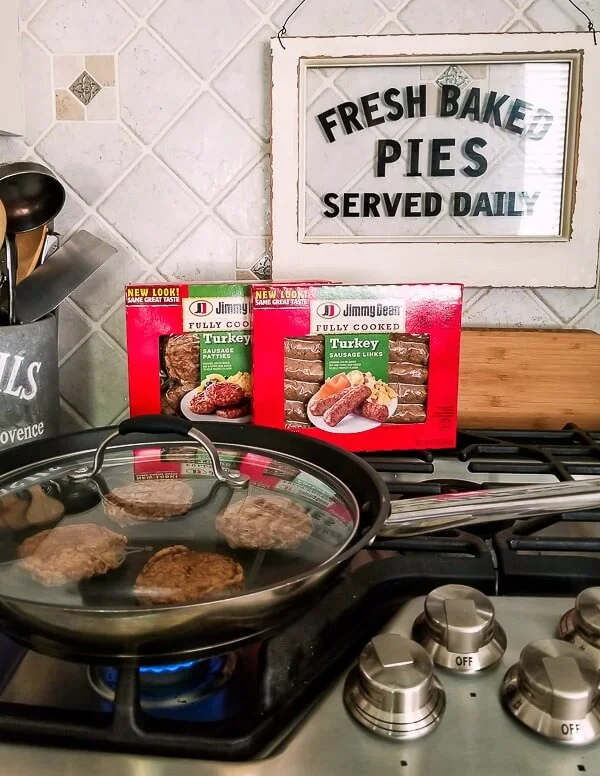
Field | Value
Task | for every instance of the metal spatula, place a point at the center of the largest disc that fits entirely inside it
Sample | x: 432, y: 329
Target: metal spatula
x: 50, y: 284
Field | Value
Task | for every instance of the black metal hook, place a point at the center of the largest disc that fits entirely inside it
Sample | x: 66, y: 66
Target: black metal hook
x: 591, y: 27
x: 283, y: 30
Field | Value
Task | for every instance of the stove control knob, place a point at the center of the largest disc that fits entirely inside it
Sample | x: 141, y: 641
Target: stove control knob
x: 392, y: 691
x: 581, y: 625
x: 553, y: 690
x: 458, y: 629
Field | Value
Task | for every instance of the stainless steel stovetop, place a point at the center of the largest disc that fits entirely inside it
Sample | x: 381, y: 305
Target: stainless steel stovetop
x: 475, y: 736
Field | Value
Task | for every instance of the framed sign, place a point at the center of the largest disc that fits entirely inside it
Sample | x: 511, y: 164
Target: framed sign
x: 466, y: 158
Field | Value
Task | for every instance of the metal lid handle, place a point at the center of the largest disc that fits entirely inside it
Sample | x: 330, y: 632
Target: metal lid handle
x: 161, y: 424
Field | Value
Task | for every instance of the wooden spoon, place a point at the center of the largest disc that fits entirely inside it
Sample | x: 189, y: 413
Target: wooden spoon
x: 2, y: 223
x: 29, y: 248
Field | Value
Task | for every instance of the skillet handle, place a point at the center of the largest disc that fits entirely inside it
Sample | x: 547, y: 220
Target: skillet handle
x: 161, y: 424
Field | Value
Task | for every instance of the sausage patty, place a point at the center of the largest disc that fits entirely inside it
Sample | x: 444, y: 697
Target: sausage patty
x: 225, y: 394
x: 178, y: 575
x: 234, y: 412
x: 182, y: 357
x: 200, y: 405
x: 70, y: 553
x: 264, y: 523
x: 148, y: 500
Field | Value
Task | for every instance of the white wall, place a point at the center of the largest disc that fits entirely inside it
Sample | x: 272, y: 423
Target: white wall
x: 168, y: 159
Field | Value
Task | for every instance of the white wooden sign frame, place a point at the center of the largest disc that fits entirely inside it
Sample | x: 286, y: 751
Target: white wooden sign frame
x: 570, y: 259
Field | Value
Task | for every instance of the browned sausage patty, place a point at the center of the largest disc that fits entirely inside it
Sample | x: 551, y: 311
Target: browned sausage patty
x: 149, y: 500
x: 178, y: 575
x: 225, y: 394
x: 70, y: 553
x: 264, y: 523
x: 182, y: 357
x: 234, y: 412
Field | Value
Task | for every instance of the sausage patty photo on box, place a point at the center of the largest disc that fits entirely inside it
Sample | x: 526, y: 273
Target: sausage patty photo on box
x: 189, y: 350
x: 365, y: 367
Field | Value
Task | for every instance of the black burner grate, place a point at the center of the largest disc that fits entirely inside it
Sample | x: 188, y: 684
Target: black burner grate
x: 556, y: 554
x: 563, y: 454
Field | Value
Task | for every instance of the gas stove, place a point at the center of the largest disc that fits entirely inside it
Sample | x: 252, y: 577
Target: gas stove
x: 282, y: 705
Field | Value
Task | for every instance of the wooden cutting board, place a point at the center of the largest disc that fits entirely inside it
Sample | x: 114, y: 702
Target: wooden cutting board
x: 520, y: 378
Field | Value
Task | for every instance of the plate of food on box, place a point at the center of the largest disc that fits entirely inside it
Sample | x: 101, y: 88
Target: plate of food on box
x: 350, y: 402
x: 219, y: 397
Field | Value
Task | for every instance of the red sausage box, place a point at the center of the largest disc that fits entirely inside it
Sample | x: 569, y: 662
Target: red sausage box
x: 369, y: 367
x: 189, y: 352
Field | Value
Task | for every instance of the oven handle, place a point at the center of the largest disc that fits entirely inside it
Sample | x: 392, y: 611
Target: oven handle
x: 412, y: 517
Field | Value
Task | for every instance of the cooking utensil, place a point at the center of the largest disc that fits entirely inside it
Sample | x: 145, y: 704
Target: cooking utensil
x: 31, y: 196
x: 2, y: 222
x: 3, y: 269
x: 50, y: 284
x: 413, y: 517
x: 511, y: 379
x: 101, y: 619
x: 10, y: 273
x: 29, y: 250
x: 51, y: 245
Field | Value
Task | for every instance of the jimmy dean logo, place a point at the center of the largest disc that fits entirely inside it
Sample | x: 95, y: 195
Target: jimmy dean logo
x: 201, y: 308
x: 372, y: 310
x: 357, y: 315
x: 216, y: 313
x: 328, y: 311
x: 237, y: 308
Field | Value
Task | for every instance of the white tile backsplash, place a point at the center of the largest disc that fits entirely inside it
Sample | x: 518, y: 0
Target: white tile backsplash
x: 153, y: 85
x: 207, y: 254
x: 192, y: 148
x: 510, y: 307
x: 153, y: 221
x: 76, y: 26
x: 89, y: 155
x: 204, y: 36
x: 247, y: 207
x: 171, y: 163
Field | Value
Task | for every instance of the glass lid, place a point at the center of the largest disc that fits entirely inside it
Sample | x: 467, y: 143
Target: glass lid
x: 166, y: 522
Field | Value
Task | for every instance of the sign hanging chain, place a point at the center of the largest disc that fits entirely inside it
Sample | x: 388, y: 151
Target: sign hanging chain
x: 591, y: 27
x: 283, y: 30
